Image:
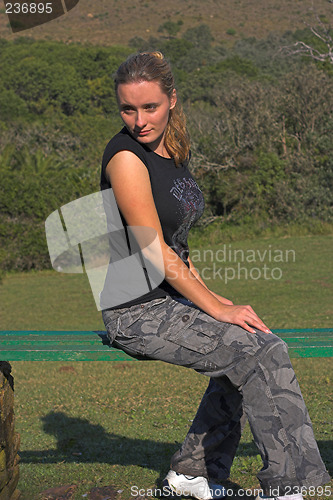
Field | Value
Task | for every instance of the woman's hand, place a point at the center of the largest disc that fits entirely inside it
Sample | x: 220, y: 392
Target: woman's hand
x: 242, y: 316
x: 238, y: 315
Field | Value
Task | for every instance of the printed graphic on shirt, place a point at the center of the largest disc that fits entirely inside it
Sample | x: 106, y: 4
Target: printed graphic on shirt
x: 191, y: 207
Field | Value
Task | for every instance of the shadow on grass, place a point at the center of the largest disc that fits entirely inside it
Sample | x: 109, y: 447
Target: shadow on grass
x: 78, y: 440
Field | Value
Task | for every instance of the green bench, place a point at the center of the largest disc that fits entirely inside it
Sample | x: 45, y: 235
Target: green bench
x: 94, y: 345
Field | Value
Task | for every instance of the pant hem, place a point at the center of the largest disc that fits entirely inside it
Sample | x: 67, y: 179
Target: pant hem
x: 280, y: 488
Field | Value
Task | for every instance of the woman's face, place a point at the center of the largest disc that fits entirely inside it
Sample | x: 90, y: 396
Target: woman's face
x: 144, y: 109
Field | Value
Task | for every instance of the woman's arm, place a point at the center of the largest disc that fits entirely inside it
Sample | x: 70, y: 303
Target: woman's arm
x: 197, y: 275
x: 132, y: 189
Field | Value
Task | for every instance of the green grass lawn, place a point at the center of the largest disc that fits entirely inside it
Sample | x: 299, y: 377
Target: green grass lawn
x: 288, y: 281
x: 97, y: 424
x: 117, y: 424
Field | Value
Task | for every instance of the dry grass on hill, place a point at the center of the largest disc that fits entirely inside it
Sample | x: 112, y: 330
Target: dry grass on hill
x: 109, y: 22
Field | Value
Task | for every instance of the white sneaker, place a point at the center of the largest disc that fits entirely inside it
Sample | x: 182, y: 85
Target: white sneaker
x: 198, y: 487
x: 286, y: 497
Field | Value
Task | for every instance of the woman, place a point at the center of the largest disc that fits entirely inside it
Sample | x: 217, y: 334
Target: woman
x: 182, y: 322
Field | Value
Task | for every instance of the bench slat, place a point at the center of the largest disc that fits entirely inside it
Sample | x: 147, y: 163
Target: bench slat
x: 94, y: 345
x: 58, y: 346
x: 110, y: 354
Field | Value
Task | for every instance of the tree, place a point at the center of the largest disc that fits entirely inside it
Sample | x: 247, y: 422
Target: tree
x: 200, y: 36
x: 170, y: 27
x: 322, y: 31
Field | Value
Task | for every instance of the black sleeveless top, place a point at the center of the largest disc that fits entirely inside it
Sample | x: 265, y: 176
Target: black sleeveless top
x: 178, y: 199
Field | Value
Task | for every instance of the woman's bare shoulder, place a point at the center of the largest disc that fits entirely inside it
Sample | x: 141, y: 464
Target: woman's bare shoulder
x: 130, y: 182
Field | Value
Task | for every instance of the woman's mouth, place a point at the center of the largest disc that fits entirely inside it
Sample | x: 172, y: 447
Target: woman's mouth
x: 142, y: 133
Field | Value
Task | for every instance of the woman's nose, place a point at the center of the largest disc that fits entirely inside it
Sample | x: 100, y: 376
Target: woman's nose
x: 140, y: 120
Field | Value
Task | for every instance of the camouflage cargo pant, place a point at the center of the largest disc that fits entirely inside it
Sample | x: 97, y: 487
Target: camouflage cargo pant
x: 250, y: 372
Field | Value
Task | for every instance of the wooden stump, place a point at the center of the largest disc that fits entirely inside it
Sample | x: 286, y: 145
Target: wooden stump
x: 9, y: 440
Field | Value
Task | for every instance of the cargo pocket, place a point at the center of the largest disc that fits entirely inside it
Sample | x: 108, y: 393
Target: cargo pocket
x: 129, y: 321
x: 186, y: 331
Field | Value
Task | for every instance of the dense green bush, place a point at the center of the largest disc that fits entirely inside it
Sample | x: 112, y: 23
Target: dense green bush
x: 32, y: 186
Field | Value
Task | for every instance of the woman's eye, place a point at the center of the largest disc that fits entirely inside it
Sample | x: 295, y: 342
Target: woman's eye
x: 151, y: 107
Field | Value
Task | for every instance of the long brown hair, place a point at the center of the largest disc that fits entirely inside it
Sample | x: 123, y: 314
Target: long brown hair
x: 151, y: 66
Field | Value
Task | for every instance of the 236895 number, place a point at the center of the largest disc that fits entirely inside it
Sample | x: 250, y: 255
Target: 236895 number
x: 28, y: 8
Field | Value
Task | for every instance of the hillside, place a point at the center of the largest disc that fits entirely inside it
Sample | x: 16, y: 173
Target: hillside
x: 109, y: 22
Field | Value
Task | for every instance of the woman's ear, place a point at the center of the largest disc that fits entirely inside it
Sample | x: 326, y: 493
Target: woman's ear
x: 173, y: 99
